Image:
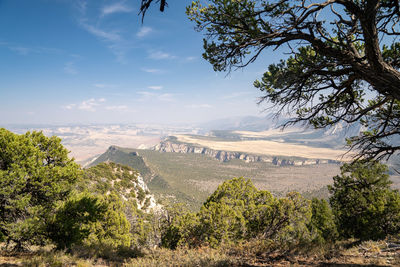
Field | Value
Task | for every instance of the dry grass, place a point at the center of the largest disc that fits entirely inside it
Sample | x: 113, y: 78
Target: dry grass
x: 268, y: 133
x: 264, y: 147
x: 254, y: 253
x: 184, y: 257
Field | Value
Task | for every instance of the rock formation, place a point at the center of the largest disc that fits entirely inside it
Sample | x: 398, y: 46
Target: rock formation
x: 224, y: 156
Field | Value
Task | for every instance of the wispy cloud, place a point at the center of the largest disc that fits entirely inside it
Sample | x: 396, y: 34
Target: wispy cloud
x: 157, y: 71
x: 110, y: 33
x: 160, y: 55
x: 21, y: 50
x: 235, y: 95
x: 26, y: 50
x: 155, y: 87
x: 197, y: 106
x: 104, y: 85
x: 115, y: 8
x: 69, y: 107
x: 190, y: 58
x: 108, y: 36
x: 117, y: 108
x: 89, y: 105
x: 144, y: 31
x: 165, y: 97
x: 69, y: 68
x: 81, y: 6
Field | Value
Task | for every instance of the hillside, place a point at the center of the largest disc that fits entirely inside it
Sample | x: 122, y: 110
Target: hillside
x: 128, y: 158
x: 190, y: 178
x: 106, y: 178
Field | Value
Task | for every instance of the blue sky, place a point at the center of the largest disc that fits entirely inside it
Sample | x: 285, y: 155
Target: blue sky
x: 78, y: 61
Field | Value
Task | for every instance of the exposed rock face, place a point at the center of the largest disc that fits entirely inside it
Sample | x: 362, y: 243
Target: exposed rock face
x: 168, y: 146
x: 109, y: 177
x: 152, y: 204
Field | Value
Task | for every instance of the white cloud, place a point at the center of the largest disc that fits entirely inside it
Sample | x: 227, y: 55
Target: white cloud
x: 160, y: 55
x: 109, y: 36
x: 115, y: 34
x: 89, y: 105
x: 115, y: 8
x: 155, y: 87
x: 69, y: 107
x: 190, y: 58
x: 81, y: 6
x: 235, y: 95
x: 158, y: 71
x: 166, y: 97
x: 117, y: 108
x: 104, y: 85
x: 196, y: 106
x: 144, y: 31
x: 147, y: 94
x: 69, y: 68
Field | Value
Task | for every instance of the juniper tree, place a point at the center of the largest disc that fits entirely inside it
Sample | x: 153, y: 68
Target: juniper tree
x: 363, y: 203
x: 35, y: 176
x: 343, y: 65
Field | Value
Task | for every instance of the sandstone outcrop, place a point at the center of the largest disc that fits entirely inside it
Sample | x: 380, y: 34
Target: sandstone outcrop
x: 224, y: 156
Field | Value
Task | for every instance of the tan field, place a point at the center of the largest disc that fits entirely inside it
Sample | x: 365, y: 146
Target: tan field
x: 263, y: 147
x: 272, y: 132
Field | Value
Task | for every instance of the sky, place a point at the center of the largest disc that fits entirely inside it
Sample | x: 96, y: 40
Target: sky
x: 93, y: 61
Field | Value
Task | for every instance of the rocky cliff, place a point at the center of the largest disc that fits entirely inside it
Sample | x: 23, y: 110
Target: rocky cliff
x: 109, y: 177
x: 170, y: 146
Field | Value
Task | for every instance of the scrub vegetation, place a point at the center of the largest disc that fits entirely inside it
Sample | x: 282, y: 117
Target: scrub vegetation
x: 96, y: 219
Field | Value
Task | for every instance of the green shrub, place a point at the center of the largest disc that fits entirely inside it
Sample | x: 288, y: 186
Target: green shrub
x: 93, y: 222
x: 178, y: 227
x: 35, y: 176
x: 322, y: 223
x: 237, y: 211
x: 73, y: 221
x: 364, y: 204
x: 112, y: 231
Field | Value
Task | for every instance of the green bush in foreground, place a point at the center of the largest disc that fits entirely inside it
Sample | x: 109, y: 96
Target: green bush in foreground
x: 236, y: 212
x: 92, y: 222
x: 36, y: 175
x: 363, y: 203
x: 322, y: 222
x: 72, y: 222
